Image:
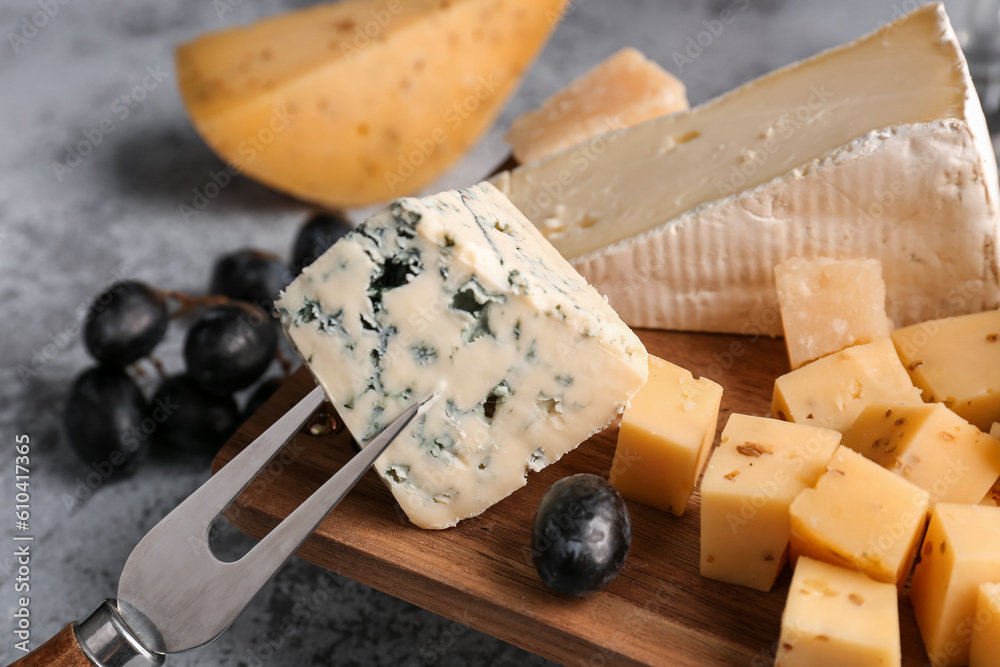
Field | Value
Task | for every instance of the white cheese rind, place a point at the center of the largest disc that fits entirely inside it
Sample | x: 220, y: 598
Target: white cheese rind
x: 680, y: 221
x: 459, y: 294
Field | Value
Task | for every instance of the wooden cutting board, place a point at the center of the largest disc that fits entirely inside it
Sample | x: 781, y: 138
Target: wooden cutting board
x: 659, y: 611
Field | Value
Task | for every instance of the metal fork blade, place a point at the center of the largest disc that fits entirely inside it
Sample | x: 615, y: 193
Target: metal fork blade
x: 172, y: 580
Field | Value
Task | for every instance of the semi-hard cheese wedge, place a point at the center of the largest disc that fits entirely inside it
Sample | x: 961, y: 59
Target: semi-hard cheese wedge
x: 961, y: 552
x: 458, y: 294
x: 355, y: 102
x: 831, y: 391
x: 624, y: 90
x: 835, y: 617
x: 930, y: 446
x: 861, y: 516
x: 665, y: 437
x: 829, y: 304
x: 758, y: 469
x: 984, y: 651
x: 956, y: 361
x: 875, y: 149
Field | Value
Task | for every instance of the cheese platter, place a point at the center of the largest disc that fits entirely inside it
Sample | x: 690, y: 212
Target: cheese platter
x: 659, y: 611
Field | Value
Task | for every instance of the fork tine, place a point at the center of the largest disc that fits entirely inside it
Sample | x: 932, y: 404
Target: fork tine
x: 172, y: 580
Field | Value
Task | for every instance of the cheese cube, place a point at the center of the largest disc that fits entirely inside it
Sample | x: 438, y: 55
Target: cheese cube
x: 666, y: 434
x: 836, y: 617
x: 758, y: 469
x: 622, y: 91
x: 984, y: 651
x: 829, y: 304
x: 930, y: 446
x: 961, y: 551
x: 459, y: 295
x: 860, y: 516
x: 956, y: 361
x: 832, y: 391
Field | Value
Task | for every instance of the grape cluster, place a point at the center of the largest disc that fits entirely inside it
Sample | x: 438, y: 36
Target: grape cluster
x: 229, y: 345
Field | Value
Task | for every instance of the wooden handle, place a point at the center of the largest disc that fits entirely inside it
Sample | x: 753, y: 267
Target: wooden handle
x: 63, y: 650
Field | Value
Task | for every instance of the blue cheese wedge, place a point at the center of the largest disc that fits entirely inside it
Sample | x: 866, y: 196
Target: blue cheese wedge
x: 459, y: 294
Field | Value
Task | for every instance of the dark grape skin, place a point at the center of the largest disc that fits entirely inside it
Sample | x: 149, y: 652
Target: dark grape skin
x: 250, y: 275
x: 319, y: 232
x: 199, y: 422
x: 103, y: 419
x: 229, y: 347
x: 260, y: 395
x: 125, y: 322
x: 581, y: 535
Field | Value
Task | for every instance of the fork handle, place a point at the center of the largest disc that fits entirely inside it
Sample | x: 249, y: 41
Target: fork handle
x: 103, y: 639
x: 63, y: 650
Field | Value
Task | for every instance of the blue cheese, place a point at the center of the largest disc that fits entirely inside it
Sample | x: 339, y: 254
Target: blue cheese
x: 460, y: 295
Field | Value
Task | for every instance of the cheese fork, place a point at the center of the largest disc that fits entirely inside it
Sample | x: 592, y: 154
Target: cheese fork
x: 174, y: 595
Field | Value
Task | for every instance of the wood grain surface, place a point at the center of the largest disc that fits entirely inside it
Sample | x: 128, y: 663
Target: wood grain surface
x: 659, y: 611
x: 62, y: 650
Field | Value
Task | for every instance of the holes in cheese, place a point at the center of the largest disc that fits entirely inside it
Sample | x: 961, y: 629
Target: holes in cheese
x: 355, y: 102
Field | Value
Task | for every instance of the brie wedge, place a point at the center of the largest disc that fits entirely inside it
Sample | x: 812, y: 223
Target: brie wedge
x: 878, y: 148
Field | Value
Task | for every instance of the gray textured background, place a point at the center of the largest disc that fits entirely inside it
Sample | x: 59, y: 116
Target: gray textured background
x: 116, y: 215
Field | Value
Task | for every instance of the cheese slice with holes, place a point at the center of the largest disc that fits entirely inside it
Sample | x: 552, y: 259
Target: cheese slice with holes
x: 874, y: 149
x: 459, y: 294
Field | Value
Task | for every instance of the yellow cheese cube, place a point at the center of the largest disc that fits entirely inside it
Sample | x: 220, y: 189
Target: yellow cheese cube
x: 984, y: 651
x: 622, y: 91
x: 956, y: 361
x: 836, y: 617
x: 758, y: 469
x: 356, y: 102
x: 930, y: 446
x: 831, y: 392
x: 860, y: 516
x: 829, y: 304
x: 666, y: 434
x: 960, y: 552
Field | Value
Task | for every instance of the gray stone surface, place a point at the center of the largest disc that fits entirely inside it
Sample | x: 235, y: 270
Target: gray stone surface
x: 65, y: 236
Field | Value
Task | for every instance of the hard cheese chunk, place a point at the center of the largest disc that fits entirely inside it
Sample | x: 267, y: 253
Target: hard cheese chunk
x: 930, y: 446
x: 666, y: 434
x: 829, y: 304
x: 875, y: 149
x: 956, y: 361
x: 992, y: 496
x: 832, y: 391
x: 758, y: 469
x: 458, y: 294
x: 359, y: 101
x: 836, y: 617
x: 622, y: 91
x: 984, y: 650
x: 860, y: 516
x: 961, y: 551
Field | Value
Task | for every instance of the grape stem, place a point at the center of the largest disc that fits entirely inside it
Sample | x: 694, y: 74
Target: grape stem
x: 186, y: 303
